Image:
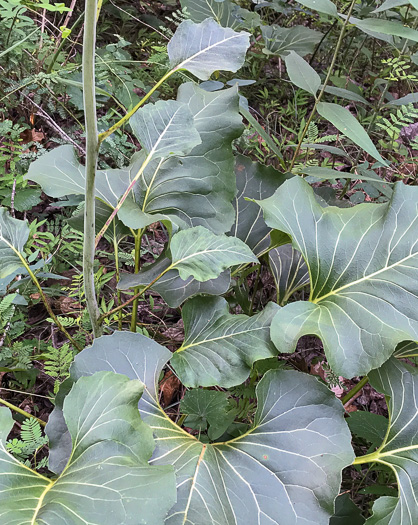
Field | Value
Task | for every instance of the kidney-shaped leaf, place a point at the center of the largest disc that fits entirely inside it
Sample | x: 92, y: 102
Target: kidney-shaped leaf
x: 222, y: 11
x: 107, y: 478
x: 207, y: 47
x: 172, y: 288
x: 254, y: 181
x: 165, y: 128
x: 220, y: 348
x: 13, y: 236
x: 286, y: 469
x: 280, y: 40
x: 200, y: 253
x: 199, y: 187
x: 290, y: 272
x: 344, y: 121
x: 362, y: 263
x: 399, y: 450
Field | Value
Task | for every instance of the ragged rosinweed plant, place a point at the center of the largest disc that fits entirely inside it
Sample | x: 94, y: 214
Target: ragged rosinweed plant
x: 269, y: 444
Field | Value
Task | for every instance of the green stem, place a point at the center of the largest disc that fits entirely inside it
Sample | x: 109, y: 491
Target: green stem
x: 62, y: 44
x: 321, y: 93
x: 119, y: 295
x: 354, y: 390
x: 22, y: 412
x: 92, y: 150
x: 138, y: 238
x: 125, y: 119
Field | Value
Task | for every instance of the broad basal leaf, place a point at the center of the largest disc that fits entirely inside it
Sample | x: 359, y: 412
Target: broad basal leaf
x: 199, y: 187
x: 344, y: 121
x: 170, y: 286
x: 165, y: 128
x: 254, y: 181
x: 399, y: 450
x: 220, y: 348
x: 13, y: 236
x: 221, y: 11
x: 301, y: 73
x: 362, y: 263
x: 207, y: 47
x: 280, y: 40
x: 286, y: 469
x: 289, y: 270
x: 107, y: 478
x: 194, y: 189
x: 200, y: 253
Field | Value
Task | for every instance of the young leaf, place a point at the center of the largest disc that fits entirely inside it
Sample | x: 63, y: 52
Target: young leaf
x: 289, y: 270
x: 302, y: 74
x: 346, y: 512
x: 267, y: 475
x: 107, y: 478
x: 254, y: 181
x: 280, y: 40
x: 323, y: 6
x: 170, y: 286
x: 344, y: 121
x: 207, y: 47
x: 165, y: 128
x: 207, y: 408
x: 329, y: 174
x: 220, y: 348
x: 362, y: 263
x: 346, y: 94
x: 390, y: 4
x: 13, y: 236
x: 200, y: 253
x: 399, y: 450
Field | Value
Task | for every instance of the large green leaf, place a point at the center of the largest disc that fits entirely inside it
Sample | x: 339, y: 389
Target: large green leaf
x: 195, y: 189
x: 107, y: 478
x: 399, y: 450
x: 362, y: 263
x: 280, y: 40
x: 388, y: 27
x: 13, y: 236
x: 170, y: 286
x: 220, y: 348
x: 254, y: 181
x: 301, y: 73
x: 286, y: 469
x: 199, y: 187
x: 344, y: 121
x: 165, y: 128
x: 390, y: 4
x: 200, y: 253
x: 207, y: 47
x: 290, y: 272
x: 323, y: 6
x: 222, y: 11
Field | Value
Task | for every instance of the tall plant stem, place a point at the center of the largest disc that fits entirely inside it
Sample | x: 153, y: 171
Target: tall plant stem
x: 92, y: 150
x: 128, y: 115
x: 119, y: 295
x: 354, y: 390
x: 138, y: 238
x: 20, y: 411
x: 321, y: 93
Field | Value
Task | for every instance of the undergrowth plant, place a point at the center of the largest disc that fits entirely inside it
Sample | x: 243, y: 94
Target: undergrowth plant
x: 253, y: 440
